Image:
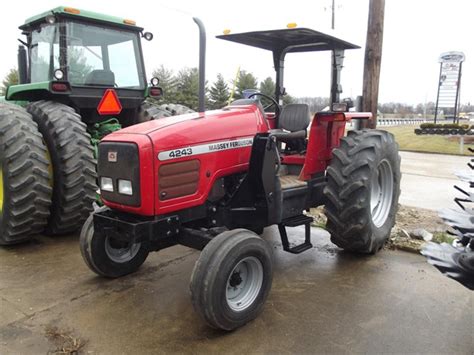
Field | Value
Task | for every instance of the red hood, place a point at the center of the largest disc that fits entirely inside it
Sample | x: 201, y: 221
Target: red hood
x: 189, y: 137
x: 195, y: 128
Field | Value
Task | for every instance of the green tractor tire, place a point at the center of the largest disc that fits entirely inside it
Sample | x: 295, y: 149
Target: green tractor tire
x: 150, y: 111
x: 176, y: 109
x: 74, y: 166
x: 25, y: 192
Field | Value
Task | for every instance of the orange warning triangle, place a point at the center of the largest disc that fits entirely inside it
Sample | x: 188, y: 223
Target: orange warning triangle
x: 109, y: 104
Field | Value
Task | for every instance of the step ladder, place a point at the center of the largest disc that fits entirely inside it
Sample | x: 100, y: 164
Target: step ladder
x: 294, y: 222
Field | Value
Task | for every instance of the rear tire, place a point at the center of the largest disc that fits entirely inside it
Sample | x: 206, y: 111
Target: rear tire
x: 106, y: 257
x: 232, y: 279
x: 74, y: 166
x: 362, y: 190
x: 25, y: 192
x: 149, y: 111
x: 176, y: 109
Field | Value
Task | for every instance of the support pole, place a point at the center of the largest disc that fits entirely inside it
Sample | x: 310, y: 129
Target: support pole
x: 333, y: 14
x: 456, y: 102
x: 437, y: 95
x: 373, y: 59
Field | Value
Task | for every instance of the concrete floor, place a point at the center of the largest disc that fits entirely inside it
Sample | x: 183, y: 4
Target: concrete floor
x: 428, y: 179
x: 323, y: 300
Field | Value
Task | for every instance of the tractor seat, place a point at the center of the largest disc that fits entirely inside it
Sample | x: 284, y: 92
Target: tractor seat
x: 100, y: 78
x: 292, y: 124
x: 241, y: 102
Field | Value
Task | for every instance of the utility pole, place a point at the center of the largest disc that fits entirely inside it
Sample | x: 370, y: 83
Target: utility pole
x: 333, y: 13
x: 373, y: 59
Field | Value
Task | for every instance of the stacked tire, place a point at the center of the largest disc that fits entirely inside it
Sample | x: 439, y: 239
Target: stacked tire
x: 48, y: 179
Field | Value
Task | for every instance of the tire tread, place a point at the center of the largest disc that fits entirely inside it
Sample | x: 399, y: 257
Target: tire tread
x: 27, y: 193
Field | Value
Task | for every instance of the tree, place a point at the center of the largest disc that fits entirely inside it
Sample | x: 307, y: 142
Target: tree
x: 219, y: 93
x: 10, y: 79
x: 168, y: 82
x: 188, y: 88
x: 78, y: 67
x: 467, y: 107
x: 245, y: 81
x: 267, y: 87
x: 420, y: 109
x: 288, y: 99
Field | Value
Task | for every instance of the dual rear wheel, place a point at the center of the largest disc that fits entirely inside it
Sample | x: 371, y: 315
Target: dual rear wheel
x: 48, y: 179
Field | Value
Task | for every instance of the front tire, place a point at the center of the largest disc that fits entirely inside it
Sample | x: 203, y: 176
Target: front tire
x: 108, y: 257
x: 73, y: 162
x: 362, y: 190
x: 232, y: 279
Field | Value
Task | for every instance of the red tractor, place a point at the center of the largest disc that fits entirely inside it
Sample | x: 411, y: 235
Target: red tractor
x: 214, y: 180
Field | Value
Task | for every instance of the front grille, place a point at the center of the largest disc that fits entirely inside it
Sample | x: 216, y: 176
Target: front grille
x: 178, y: 179
x: 119, y: 160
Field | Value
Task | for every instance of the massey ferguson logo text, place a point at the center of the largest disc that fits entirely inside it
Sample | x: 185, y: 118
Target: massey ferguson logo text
x: 230, y: 145
x: 205, y: 148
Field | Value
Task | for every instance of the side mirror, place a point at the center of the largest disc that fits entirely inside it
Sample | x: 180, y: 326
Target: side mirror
x: 148, y: 36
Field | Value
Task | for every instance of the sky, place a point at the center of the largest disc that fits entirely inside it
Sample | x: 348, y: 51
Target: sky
x: 415, y: 33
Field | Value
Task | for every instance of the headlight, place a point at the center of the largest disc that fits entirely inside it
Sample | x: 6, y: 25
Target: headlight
x: 125, y: 187
x: 106, y: 184
x: 58, y: 74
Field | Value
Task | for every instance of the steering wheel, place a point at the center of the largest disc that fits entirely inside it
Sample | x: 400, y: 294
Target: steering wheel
x: 273, y: 103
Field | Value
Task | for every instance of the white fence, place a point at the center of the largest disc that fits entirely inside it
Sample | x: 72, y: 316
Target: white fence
x: 400, y: 121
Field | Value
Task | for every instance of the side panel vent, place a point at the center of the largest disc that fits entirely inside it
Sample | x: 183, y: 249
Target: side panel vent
x: 178, y: 179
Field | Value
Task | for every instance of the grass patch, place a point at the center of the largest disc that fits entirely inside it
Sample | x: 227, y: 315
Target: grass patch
x: 442, y: 237
x: 408, y: 140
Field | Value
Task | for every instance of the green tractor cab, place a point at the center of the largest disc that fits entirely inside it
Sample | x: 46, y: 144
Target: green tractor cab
x: 82, y: 76
x: 70, y: 56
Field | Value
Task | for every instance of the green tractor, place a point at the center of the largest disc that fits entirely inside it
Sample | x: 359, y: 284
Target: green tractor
x: 82, y: 76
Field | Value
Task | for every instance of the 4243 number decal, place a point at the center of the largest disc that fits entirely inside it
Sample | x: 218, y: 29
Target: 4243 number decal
x: 178, y: 153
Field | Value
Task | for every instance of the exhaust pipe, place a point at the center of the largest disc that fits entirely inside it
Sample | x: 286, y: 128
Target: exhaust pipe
x: 22, y: 65
x: 202, y: 63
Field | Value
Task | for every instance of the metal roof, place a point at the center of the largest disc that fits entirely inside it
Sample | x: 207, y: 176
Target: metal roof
x: 295, y: 39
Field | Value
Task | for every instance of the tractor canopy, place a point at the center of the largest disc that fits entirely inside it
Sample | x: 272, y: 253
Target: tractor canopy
x: 296, y: 40
x: 289, y: 40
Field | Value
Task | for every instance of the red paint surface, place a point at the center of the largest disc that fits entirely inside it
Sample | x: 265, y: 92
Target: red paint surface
x: 231, y: 123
